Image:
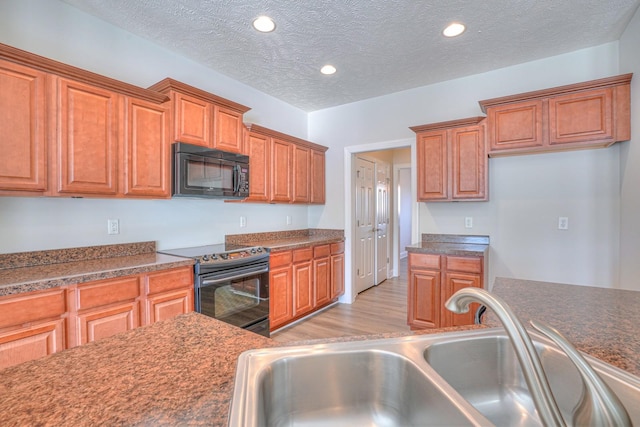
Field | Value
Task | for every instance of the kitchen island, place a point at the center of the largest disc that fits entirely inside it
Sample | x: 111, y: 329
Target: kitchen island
x: 181, y: 371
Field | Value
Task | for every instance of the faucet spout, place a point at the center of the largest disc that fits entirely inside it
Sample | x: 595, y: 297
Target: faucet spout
x: 525, y: 351
x: 599, y: 404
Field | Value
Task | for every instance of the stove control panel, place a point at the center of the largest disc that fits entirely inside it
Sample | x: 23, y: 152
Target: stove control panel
x: 247, y: 253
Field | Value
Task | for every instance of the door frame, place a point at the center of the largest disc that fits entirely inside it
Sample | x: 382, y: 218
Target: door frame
x: 349, y: 196
x: 395, y: 252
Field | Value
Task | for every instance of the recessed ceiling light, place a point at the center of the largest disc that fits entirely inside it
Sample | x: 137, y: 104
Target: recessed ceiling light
x: 328, y: 69
x: 454, y: 29
x: 264, y: 24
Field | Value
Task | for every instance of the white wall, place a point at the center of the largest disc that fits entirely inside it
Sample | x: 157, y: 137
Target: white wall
x: 630, y: 163
x: 55, y: 30
x: 527, y: 193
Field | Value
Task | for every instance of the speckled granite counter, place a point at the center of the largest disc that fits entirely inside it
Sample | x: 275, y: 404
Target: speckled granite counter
x: 286, y: 240
x: 175, y: 372
x: 31, y: 271
x: 604, y: 323
x: 449, y: 244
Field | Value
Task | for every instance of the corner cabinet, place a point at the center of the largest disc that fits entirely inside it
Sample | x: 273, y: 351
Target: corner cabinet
x: 433, y: 279
x: 202, y: 118
x: 452, y: 161
x: 592, y: 114
x: 284, y: 169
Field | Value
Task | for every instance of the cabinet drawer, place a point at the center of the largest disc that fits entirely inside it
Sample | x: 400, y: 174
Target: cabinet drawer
x: 321, y: 251
x: 107, y: 292
x: 428, y: 261
x: 169, y: 279
x: 337, y: 248
x: 25, y: 308
x: 301, y: 255
x: 278, y: 259
x: 465, y: 264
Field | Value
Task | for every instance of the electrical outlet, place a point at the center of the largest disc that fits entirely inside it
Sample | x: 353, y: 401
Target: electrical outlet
x: 113, y: 226
x: 243, y: 221
x: 468, y: 222
x: 563, y: 223
x: 288, y: 219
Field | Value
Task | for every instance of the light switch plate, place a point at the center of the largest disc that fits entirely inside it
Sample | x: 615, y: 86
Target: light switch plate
x: 563, y: 223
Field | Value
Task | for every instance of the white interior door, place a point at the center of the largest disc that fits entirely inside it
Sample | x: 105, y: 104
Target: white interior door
x: 382, y: 221
x: 365, y: 224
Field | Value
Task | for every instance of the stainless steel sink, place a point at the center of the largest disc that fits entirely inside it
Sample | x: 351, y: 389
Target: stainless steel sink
x: 484, y: 370
x: 460, y: 378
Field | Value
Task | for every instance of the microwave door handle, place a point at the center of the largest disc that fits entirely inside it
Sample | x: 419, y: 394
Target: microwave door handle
x: 236, y: 178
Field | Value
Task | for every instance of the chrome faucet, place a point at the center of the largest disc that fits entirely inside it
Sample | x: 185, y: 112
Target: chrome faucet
x: 598, y: 405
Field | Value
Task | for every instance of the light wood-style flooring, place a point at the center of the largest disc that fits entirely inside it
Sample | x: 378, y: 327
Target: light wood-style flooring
x: 380, y: 309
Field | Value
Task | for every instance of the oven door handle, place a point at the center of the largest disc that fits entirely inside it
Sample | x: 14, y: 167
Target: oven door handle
x: 209, y: 282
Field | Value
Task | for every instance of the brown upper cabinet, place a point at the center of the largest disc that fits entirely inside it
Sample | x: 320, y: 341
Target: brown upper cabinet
x: 22, y: 125
x: 70, y: 132
x: 452, y: 160
x: 202, y: 118
x: 592, y: 114
x: 283, y: 168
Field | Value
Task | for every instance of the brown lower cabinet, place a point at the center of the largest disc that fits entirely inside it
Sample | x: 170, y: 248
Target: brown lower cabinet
x: 304, y: 280
x: 433, y: 279
x: 35, y: 324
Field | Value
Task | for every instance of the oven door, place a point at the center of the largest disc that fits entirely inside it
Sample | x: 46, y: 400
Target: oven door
x: 239, y: 296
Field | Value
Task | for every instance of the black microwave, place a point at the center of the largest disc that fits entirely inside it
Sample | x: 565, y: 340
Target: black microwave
x: 205, y: 172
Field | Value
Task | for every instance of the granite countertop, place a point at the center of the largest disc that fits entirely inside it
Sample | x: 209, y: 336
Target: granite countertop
x: 32, y: 271
x: 175, y: 372
x: 602, y: 322
x: 287, y: 240
x: 450, y: 244
x: 179, y: 371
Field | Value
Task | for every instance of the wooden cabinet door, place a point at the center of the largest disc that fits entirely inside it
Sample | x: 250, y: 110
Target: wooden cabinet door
x: 105, y: 308
x: 469, y: 163
x: 32, y: 325
x: 169, y: 304
x: 280, y: 295
x: 192, y: 120
x: 322, y: 274
x: 31, y: 342
x: 433, y: 166
x: 516, y: 125
x: 280, y: 170
x: 227, y: 130
x: 258, y: 149
x: 337, y: 270
x: 103, y: 322
x: 147, y: 162
x: 317, y: 177
x: 582, y: 117
x: 301, y: 167
x: 303, y: 289
x: 23, y: 141
x: 86, y: 129
x: 453, y: 282
x: 424, y: 299
x: 168, y: 294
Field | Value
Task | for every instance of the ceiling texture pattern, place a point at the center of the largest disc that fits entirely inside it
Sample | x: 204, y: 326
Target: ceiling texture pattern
x: 378, y: 46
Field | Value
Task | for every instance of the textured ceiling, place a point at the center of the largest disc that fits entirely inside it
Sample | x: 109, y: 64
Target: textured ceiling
x: 378, y: 46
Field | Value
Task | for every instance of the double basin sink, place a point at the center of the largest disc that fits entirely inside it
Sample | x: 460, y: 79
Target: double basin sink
x: 447, y: 379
